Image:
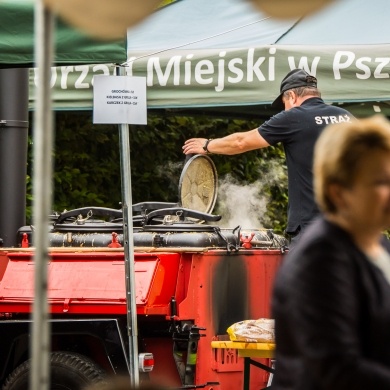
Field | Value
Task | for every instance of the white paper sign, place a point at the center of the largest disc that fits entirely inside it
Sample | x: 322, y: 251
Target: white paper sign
x: 119, y: 100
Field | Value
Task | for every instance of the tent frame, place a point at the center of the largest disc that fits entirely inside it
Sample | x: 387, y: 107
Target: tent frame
x: 42, y: 190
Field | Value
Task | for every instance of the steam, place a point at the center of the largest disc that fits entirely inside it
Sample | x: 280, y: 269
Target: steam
x: 170, y: 171
x: 241, y: 204
x: 246, y: 204
x: 238, y: 203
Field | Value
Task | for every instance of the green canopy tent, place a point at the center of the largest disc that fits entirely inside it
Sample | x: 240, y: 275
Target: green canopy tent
x: 227, y: 58
x: 71, y: 46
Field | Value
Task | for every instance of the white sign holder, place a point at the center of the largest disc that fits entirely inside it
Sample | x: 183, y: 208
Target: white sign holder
x: 119, y: 99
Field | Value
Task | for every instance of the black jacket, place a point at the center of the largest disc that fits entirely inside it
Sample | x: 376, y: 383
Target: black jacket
x: 331, y: 306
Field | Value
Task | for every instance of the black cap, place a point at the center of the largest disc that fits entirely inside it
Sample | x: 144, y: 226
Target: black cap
x: 294, y: 79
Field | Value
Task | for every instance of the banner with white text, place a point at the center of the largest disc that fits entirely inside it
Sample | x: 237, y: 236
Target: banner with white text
x: 235, y: 77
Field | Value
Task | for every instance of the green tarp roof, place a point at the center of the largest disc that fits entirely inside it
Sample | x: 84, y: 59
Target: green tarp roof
x: 237, y: 24
x: 71, y: 46
x: 236, y: 57
x: 225, y: 56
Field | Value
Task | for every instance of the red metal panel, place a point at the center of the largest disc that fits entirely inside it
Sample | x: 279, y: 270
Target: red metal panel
x: 163, y: 284
x: 3, y: 265
x: 213, y: 290
x: 223, y: 289
x: 164, y: 370
x: 91, y: 282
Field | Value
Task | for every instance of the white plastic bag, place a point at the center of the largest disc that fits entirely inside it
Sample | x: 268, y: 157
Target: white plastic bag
x: 257, y: 331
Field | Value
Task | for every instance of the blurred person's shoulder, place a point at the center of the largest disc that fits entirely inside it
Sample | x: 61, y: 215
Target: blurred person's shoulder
x: 385, y: 241
x: 319, y: 239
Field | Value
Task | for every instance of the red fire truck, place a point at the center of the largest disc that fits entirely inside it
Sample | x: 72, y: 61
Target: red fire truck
x: 193, y: 279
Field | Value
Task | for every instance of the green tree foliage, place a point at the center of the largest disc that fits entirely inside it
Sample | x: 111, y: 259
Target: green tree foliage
x: 87, y: 163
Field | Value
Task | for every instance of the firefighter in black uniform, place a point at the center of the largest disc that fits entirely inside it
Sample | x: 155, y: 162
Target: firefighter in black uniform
x: 305, y: 115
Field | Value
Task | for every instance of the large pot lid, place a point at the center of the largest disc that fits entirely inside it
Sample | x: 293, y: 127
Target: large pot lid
x: 198, y: 184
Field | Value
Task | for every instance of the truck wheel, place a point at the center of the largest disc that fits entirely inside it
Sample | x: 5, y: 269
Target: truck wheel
x: 69, y: 371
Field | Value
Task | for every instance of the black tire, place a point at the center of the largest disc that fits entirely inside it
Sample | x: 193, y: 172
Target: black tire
x: 69, y: 371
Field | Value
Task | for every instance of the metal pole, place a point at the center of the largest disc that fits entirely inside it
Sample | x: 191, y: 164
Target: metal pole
x: 42, y: 189
x: 128, y: 241
x: 13, y: 152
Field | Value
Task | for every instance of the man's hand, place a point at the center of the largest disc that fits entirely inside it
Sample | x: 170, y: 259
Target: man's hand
x: 194, y: 146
